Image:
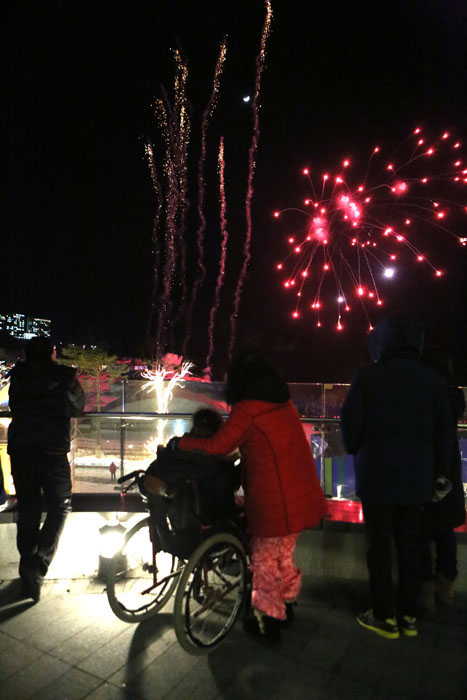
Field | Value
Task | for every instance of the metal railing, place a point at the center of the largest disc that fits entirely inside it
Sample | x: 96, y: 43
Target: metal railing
x: 129, y: 440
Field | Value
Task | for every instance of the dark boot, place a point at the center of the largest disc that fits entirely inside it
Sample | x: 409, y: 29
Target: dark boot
x: 290, y: 612
x: 31, y: 579
x: 263, y: 627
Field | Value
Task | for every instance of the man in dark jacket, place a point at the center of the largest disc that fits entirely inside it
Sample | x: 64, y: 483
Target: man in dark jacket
x: 442, y: 517
x: 395, y: 420
x: 43, y: 396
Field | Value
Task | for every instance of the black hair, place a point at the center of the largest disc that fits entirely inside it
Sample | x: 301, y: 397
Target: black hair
x: 39, y: 349
x: 251, y: 376
x: 395, y: 334
x: 206, y: 422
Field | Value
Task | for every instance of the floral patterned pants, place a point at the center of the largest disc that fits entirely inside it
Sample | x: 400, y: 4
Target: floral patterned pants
x: 276, y: 579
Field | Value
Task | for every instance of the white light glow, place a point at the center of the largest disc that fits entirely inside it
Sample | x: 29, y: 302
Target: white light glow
x: 163, y: 381
x: 180, y: 427
x: 109, y: 543
x: 389, y: 272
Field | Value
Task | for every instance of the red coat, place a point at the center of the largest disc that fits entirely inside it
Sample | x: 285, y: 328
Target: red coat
x: 282, y: 491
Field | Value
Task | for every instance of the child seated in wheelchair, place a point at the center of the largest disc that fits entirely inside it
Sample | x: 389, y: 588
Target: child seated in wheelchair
x: 189, y: 492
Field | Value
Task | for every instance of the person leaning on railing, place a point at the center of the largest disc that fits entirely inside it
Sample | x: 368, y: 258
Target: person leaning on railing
x: 43, y: 396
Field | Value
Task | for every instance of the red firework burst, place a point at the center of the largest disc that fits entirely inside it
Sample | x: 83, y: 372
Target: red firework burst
x: 361, y: 230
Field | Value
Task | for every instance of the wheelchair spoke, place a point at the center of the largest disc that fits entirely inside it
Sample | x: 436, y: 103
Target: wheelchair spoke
x: 142, y: 579
x: 213, y: 594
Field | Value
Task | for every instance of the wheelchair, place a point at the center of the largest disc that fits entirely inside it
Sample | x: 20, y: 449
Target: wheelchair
x: 204, y: 568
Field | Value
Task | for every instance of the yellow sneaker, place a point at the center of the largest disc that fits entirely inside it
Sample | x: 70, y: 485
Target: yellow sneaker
x: 384, y: 628
x: 408, y: 626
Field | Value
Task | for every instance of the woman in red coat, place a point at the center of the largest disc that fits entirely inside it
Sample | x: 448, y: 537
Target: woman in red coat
x: 282, y: 492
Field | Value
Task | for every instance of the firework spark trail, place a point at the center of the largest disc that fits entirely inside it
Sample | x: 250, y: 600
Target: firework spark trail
x: 206, y: 118
x: 171, y: 205
x: 260, y: 62
x: 174, y: 127
x: 363, y: 230
x: 159, y: 206
x: 223, y: 256
x: 181, y: 140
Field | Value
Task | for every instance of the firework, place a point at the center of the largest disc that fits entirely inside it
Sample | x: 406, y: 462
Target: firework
x: 161, y: 109
x: 223, y: 256
x: 207, y: 116
x: 255, y: 106
x: 171, y: 194
x: 158, y: 209
x: 171, y: 200
x: 181, y: 141
x: 359, y: 232
x: 162, y: 381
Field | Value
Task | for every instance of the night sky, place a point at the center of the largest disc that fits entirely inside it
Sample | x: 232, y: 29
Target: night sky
x: 339, y: 78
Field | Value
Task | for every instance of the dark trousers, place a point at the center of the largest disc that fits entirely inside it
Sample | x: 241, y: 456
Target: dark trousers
x: 445, y: 545
x: 387, y: 525
x: 41, y: 480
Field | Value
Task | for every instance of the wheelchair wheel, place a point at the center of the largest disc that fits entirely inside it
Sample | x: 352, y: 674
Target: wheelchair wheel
x: 141, y: 579
x: 210, y: 593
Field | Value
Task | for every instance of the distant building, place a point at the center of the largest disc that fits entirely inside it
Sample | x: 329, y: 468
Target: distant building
x: 24, y: 327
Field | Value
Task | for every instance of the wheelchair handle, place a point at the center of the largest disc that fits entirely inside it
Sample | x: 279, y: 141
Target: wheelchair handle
x: 131, y: 475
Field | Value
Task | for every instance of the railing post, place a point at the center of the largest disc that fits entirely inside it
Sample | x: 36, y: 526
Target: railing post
x: 122, y: 445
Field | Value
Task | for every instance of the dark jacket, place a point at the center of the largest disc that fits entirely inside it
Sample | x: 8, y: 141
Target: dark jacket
x: 216, y: 479
x: 43, y: 397
x: 396, y: 420
x: 450, y: 512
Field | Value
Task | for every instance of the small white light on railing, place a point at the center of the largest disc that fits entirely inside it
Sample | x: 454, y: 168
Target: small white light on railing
x: 110, y: 539
x: 180, y: 427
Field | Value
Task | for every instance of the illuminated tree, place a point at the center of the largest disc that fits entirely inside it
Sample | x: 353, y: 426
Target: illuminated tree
x: 100, y: 368
x: 169, y: 373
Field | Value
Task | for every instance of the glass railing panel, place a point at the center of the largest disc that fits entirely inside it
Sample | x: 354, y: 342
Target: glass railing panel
x: 130, y: 442
x: 463, y: 450
x: 313, y: 400
x: 105, y: 447
x: 334, y: 466
x: 95, y: 446
x: 144, y: 395
x: 102, y: 395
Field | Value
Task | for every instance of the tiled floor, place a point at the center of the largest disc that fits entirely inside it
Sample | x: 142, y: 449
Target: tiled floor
x: 71, y: 646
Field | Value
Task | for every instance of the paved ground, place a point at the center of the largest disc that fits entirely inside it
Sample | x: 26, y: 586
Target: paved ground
x: 70, y: 646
